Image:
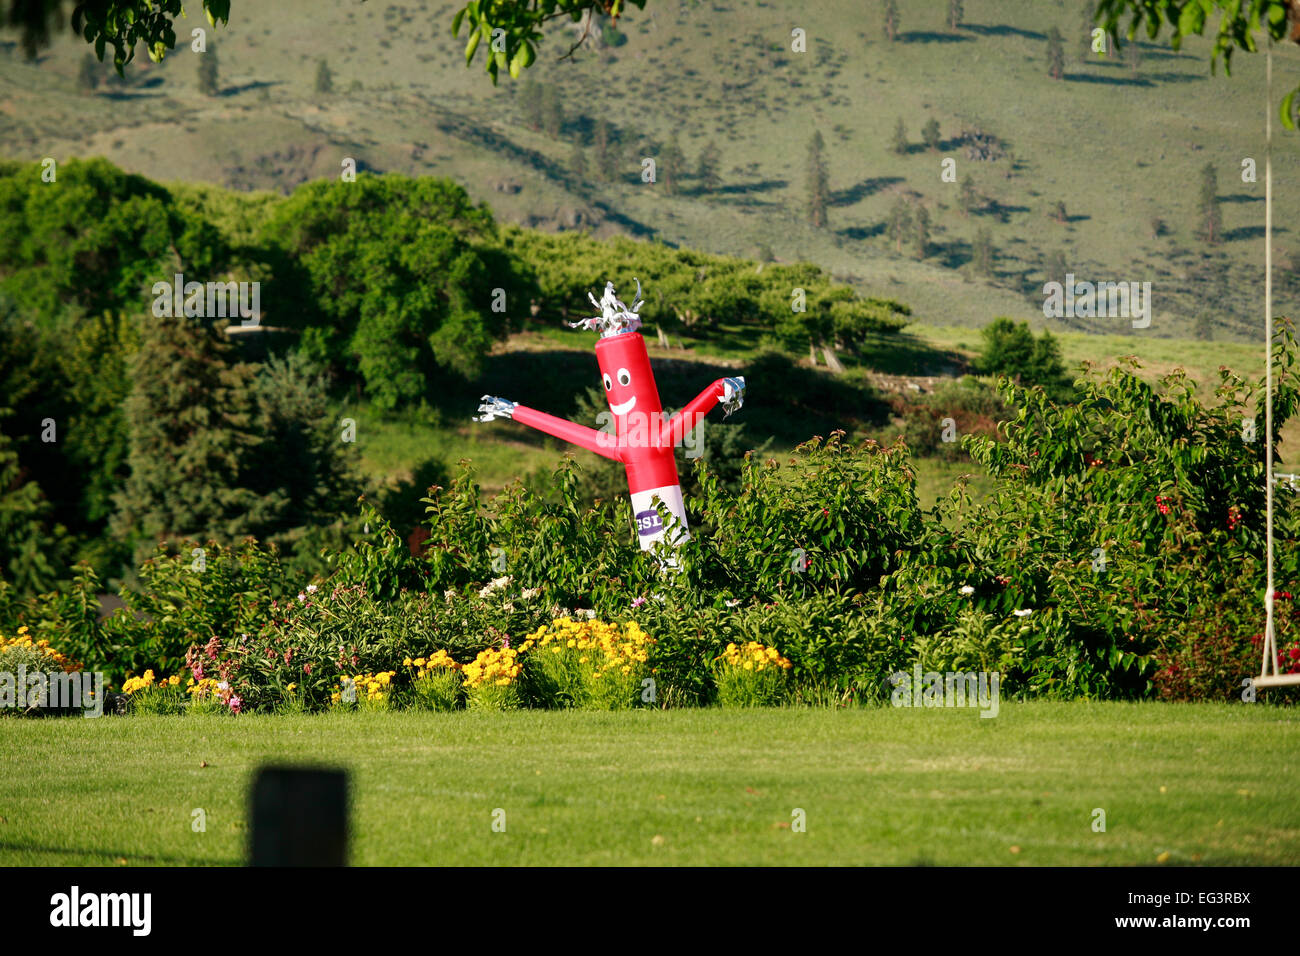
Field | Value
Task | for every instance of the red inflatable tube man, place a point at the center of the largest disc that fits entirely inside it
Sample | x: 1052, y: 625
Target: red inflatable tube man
x: 642, y: 440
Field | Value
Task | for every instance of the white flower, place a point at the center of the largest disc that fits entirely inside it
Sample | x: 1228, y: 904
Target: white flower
x: 223, y: 686
x: 301, y: 597
x: 731, y: 603
x: 311, y: 589
x: 493, y: 585
x: 1025, y: 613
x: 967, y: 589
x: 530, y: 593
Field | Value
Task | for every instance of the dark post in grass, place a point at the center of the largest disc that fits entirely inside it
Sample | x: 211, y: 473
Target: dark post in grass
x: 299, y: 817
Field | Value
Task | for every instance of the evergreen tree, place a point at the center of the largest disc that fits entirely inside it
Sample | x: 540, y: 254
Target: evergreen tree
x: 1055, y: 55
x: 890, y: 11
x: 921, y: 237
x: 968, y: 198
x: 1211, y: 216
x: 578, y: 163
x: 552, y: 110
x: 1086, y: 26
x: 33, y: 550
x: 194, y: 443
x: 706, y: 170
x: 955, y: 14
x: 672, y: 164
x: 900, y: 138
x: 530, y: 104
x: 88, y: 74
x: 324, y: 78
x: 1055, y: 267
x: 900, y: 223
x: 818, y: 183
x: 209, y: 84
x: 982, y: 254
x: 605, y: 168
x: 931, y: 136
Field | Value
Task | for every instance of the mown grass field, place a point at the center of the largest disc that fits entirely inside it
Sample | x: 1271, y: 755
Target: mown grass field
x: 1179, y: 784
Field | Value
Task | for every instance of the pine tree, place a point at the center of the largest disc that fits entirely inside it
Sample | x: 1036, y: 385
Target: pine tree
x: 193, y: 442
x: 818, y: 183
x: 672, y: 165
x: 530, y: 104
x: 955, y: 14
x: 968, y: 197
x: 552, y: 110
x: 1055, y: 55
x: 931, y: 136
x: 982, y: 254
x: 1087, y: 25
x: 88, y: 74
x: 891, y: 20
x: 1211, y: 216
x: 324, y: 78
x: 921, y: 238
x: 706, y: 170
x: 578, y: 163
x: 605, y: 168
x: 900, y: 138
x: 900, y: 223
x: 209, y: 84
x: 1055, y: 267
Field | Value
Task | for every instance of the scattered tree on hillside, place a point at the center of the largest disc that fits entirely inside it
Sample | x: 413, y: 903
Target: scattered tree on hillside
x: 578, y: 163
x: 1055, y: 267
x: 900, y: 144
x: 209, y: 85
x: 955, y: 14
x: 605, y: 160
x: 324, y: 78
x: 818, y: 182
x: 530, y: 104
x: 1158, y: 227
x: 1055, y: 55
x: 1210, y: 227
x: 968, y: 197
x: 552, y: 110
x: 88, y: 74
x: 900, y: 223
x: 1058, y: 213
x: 706, y: 169
x: 1204, y: 327
x: 890, y: 11
x: 921, y: 237
x: 983, y: 254
x: 1087, y: 23
x: 672, y: 166
x: 931, y: 136
x: 1133, y: 57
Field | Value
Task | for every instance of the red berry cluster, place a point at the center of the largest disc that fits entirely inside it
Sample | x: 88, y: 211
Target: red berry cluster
x: 1281, y: 595
x: 1161, y: 504
x: 1234, y: 517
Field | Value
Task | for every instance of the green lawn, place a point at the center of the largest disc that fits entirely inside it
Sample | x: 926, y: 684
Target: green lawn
x: 1207, y: 784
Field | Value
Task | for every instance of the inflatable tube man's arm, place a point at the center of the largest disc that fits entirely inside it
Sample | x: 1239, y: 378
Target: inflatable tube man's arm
x: 602, y: 443
x: 727, y: 392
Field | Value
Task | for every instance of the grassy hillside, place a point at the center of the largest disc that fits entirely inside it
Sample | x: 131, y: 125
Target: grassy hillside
x: 1118, y: 144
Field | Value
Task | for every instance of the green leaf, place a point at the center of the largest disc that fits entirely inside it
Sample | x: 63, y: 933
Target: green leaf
x: 1288, y: 109
x: 456, y: 20
x: 471, y: 47
x: 1192, y: 19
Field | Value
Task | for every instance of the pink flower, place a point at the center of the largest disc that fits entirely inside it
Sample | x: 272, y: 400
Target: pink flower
x: 235, y: 704
x: 637, y: 602
x: 306, y: 668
